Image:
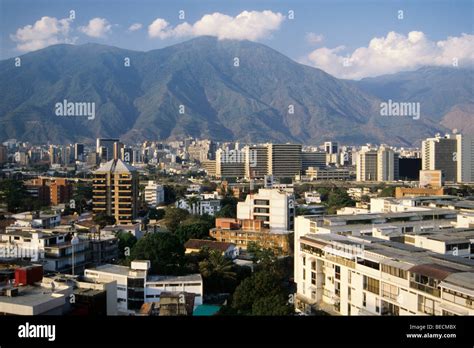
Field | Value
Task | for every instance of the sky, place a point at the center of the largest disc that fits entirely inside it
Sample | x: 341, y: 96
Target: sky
x: 348, y: 39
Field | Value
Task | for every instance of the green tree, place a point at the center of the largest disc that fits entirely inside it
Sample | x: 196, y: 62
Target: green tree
x: 261, y: 294
x: 13, y: 193
x: 156, y: 214
x: 173, y: 218
x: 263, y: 256
x: 387, y: 192
x: 102, y: 219
x: 217, y: 271
x: 164, y: 250
x: 197, y: 230
x: 125, y: 240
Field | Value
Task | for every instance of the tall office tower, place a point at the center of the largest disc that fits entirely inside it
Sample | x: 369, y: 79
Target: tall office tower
x: 66, y: 154
x: 230, y: 163
x: 202, y: 150
x: 284, y: 160
x: 465, y: 158
x: 331, y: 147
x: 3, y: 154
x: 115, y: 191
x: 127, y: 155
x: 79, y: 152
x: 256, y: 161
x: 54, y: 155
x: 105, y: 148
x: 367, y: 165
x: 315, y: 159
x: 387, y: 164
x: 440, y: 153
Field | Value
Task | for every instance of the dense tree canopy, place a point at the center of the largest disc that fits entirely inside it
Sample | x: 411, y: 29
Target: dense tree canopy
x: 164, y: 250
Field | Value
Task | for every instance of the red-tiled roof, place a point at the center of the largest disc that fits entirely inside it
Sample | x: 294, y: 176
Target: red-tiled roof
x: 213, y: 245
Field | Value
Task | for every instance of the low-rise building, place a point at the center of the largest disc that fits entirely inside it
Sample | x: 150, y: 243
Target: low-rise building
x: 226, y: 249
x: 154, y: 194
x: 243, y: 232
x: 136, y: 286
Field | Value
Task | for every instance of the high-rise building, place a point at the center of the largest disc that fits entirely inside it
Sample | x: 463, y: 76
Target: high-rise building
x: 315, y: 159
x: 367, y: 165
x: 115, y: 191
x: 3, y: 154
x: 230, y: 163
x: 387, y: 164
x: 54, y: 155
x: 60, y: 191
x: 284, y: 160
x: 127, y: 155
x: 105, y: 148
x: 409, y: 168
x: 256, y: 161
x: 202, y: 150
x: 465, y: 158
x: 440, y: 153
x: 331, y: 147
x: 79, y: 152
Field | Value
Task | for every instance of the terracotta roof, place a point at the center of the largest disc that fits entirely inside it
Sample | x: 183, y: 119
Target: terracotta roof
x: 213, y: 245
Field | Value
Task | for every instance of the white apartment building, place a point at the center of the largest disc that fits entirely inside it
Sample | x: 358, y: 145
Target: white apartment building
x: 377, y: 164
x: 136, y: 286
x: 387, y: 164
x: 366, y: 165
x: 448, y: 241
x: 55, y: 250
x: 391, y: 224
x: 273, y: 206
x: 154, y: 194
x: 363, y: 275
x: 465, y: 158
x: 199, y: 205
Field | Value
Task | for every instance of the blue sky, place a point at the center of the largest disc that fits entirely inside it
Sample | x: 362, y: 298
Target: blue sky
x: 341, y: 30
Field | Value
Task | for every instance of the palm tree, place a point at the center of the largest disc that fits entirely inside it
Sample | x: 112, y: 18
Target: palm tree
x: 217, y: 266
x: 192, y: 202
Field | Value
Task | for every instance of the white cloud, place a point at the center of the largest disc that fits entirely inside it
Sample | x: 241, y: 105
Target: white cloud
x: 46, y: 31
x: 248, y: 25
x: 313, y: 38
x: 393, y: 53
x: 97, y: 27
x: 135, y: 27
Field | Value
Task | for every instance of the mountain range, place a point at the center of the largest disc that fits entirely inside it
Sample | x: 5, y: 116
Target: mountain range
x: 220, y: 89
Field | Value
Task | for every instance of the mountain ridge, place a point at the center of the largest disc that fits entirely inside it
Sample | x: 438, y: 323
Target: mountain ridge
x: 221, y: 101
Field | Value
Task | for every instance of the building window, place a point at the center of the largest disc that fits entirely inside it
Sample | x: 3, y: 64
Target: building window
x: 397, y: 272
x: 364, y: 299
x: 349, y: 276
x: 377, y: 305
x: 313, y: 278
x: 371, y: 284
x: 348, y: 294
x: 338, y: 272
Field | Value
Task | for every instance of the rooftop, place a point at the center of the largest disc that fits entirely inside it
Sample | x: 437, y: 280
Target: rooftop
x: 116, y: 166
